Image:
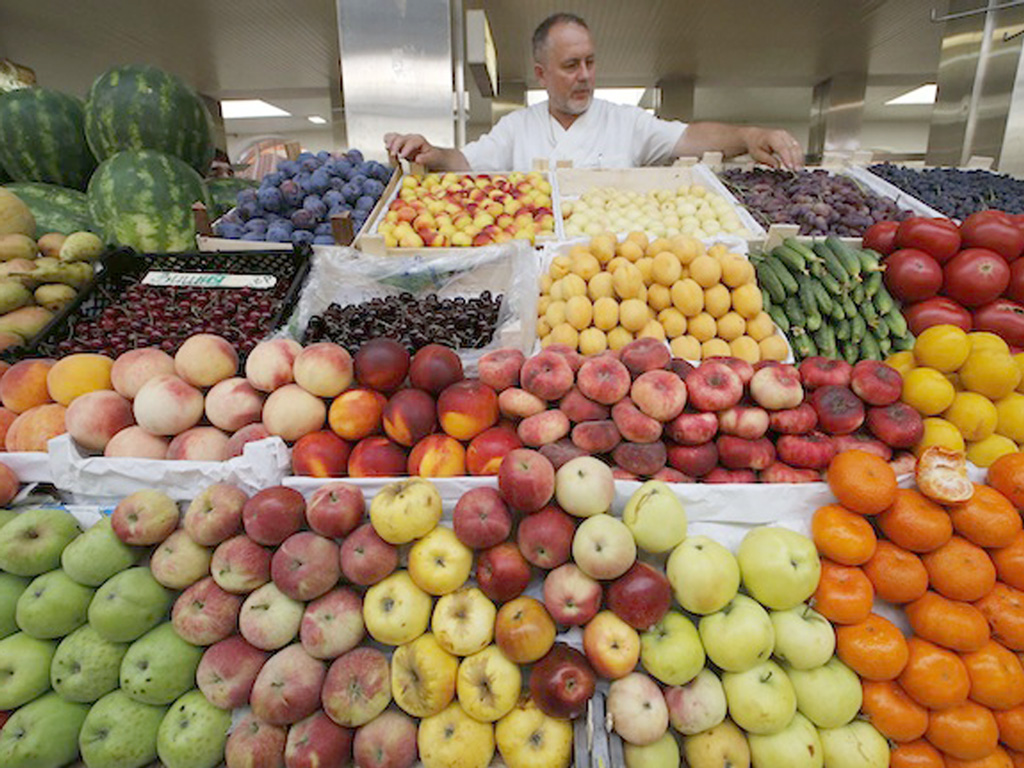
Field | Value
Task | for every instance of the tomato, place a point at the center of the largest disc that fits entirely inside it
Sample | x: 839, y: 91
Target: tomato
x: 994, y: 230
x: 1015, y: 290
x: 881, y: 237
x: 937, y: 310
x: 1004, y: 318
x: 912, y: 275
x: 938, y: 237
x: 975, y: 276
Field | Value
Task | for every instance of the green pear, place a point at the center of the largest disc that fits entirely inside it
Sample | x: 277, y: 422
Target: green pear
x: 32, y: 542
x: 24, y: 669
x: 120, y: 732
x: 128, y: 605
x: 656, y: 517
x: 54, y: 605
x: 97, y: 555
x: 6, y: 515
x: 85, y: 666
x: 42, y: 734
x: 11, y: 587
x: 193, y: 733
x: 159, y: 666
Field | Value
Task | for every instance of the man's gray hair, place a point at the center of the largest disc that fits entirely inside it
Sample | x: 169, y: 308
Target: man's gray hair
x: 540, y: 35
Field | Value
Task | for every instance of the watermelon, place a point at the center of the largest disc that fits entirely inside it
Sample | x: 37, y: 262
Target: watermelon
x: 142, y: 107
x: 42, y: 138
x: 143, y: 199
x: 224, y: 192
x: 56, y: 209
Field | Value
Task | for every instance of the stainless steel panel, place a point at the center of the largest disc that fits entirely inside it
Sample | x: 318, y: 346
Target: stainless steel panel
x: 1011, y: 158
x: 676, y: 98
x: 396, y: 68
x: 994, y: 129
x: 837, y: 113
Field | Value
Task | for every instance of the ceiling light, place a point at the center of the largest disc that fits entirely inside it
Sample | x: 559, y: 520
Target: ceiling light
x: 924, y: 95
x: 629, y: 96
x: 235, y: 109
x: 316, y: 120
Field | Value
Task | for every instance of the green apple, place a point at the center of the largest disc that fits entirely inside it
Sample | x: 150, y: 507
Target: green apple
x: 656, y: 517
x: 120, y: 732
x: 704, y: 575
x: 128, y: 605
x: 6, y: 515
x: 193, y: 733
x: 32, y: 542
x: 857, y: 745
x: 159, y: 666
x: 779, y: 567
x: 664, y: 753
x: 54, y: 605
x: 739, y: 636
x: 42, y: 734
x: 804, y: 639
x: 85, y: 666
x: 723, y: 746
x: 671, y: 650
x: 795, y: 746
x: 24, y: 669
x: 97, y: 555
x: 11, y: 587
x: 829, y: 696
x: 761, y: 700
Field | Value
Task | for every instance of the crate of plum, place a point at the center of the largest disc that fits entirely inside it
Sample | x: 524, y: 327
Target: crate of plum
x: 159, y: 300
x: 305, y: 201
x: 956, y: 192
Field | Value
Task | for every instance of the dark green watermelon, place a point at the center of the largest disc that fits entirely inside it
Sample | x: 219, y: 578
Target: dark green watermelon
x: 142, y: 107
x: 143, y: 199
x: 42, y: 138
x: 223, y: 193
x: 56, y: 209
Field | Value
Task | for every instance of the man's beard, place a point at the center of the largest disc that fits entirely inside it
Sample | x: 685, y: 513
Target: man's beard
x: 573, y: 106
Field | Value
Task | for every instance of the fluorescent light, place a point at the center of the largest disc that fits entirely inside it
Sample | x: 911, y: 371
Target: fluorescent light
x: 630, y: 96
x: 235, y: 109
x: 924, y: 95
x: 316, y: 120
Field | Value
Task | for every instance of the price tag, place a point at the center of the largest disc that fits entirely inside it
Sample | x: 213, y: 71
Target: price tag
x: 209, y: 280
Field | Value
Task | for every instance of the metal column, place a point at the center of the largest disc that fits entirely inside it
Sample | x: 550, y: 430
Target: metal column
x: 837, y: 113
x: 676, y: 99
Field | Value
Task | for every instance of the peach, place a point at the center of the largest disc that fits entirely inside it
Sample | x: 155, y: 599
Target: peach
x: 376, y: 457
x: 839, y: 410
x: 204, y: 359
x: 291, y: 412
x: 357, y: 413
x: 320, y: 454
x: 488, y: 449
x: 811, y: 451
x: 544, y: 428
x: 6, y: 419
x: 240, y: 565
x: 34, y: 428
x: 270, y: 364
x: 9, y: 340
x: 437, y: 456
x: 500, y: 369
x: 467, y: 408
x: 515, y: 403
x: 23, y: 385
x: 578, y: 407
x: 248, y: 434
x: 233, y: 403
x: 572, y: 357
x: 381, y: 364
x: 794, y: 421
x: 434, y: 368
x: 596, y: 436
x: 783, y: 473
x: 659, y: 394
x: 693, y: 460
x: 561, y: 452
x: 692, y: 428
x: 604, y: 380
x: 136, y: 443
x: 547, y: 375
x: 409, y: 416
x: 634, y: 425
x: 95, y: 417
x: 166, y: 405
x: 748, y: 422
x: 199, y: 444
x: 75, y: 375
x: 737, y: 453
x: 323, y: 369
x: 642, y: 459
x: 721, y: 475
x: 644, y: 355
x: 134, y: 368
x: 526, y: 480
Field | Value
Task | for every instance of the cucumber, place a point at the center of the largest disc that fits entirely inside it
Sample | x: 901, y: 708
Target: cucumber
x: 857, y: 328
x: 850, y: 351
x: 838, y: 313
x: 884, y: 344
x: 869, y: 261
x: 832, y: 263
x: 825, y: 302
x: 795, y: 245
x: 803, y: 347
x: 846, y: 255
x: 770, y: 282
x: 867, y: 311
x: 825, y: 340
x: 857, y: 294
x: 794, y: 312
x: 897, y: 324
x: 872, y: 284
x: 883, y: 301
x: 783, y: 274
x: 806, y: 294
x: 831, y: 285
x: 778, y: 314
x: 903, y: 343
x: 869, y: 348
x: 849, y: 307
x: 766, y: 299
x: 793, y: 260
x: 843, y: 330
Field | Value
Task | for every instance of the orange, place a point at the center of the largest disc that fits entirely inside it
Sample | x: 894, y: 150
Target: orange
x: 915, y: 522
x: 1004, y: 609
x: 965, y: 731
x: 842, y: 535
x: 916, y: 754
x: 844, y: 594
x: 942, y: 347
x: 949, y: 623
x: 997, y: 677
x: 897, y: 575
x: 1006, y: 475
x: 1011, y: 727
x: 892, y: 712
x: 998, y: 758
x: 987, y: 519
x: 1016, y: 758
x: 934, y: 677
x: 863, y: 483
x: 960, y: 570
x: 1009, y: 562
x: 875, y: 649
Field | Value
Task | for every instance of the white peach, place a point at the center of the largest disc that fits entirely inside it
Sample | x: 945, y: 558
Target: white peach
x: 167, y: 405
x: 136, y: 443
x: 291, y: 412
x: 233, y: 403
x: 94, y: 418
x: 205, y: 359
x: 133, y: 369
x: 270, y: 364
x: 199, y: 444
x: 323, y: 369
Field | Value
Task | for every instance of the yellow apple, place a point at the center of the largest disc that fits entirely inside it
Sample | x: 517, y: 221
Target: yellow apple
x: 453, y: 739
x: 527, y: 738
x: 488, y: 684
x: 395, y: 610
x: 664, y: 753
x: 406, y: 510
x: 724, y: 744
x: 611, y: 646
x: 463, y: 621
x: 423, y: 676
x: 439, y: 563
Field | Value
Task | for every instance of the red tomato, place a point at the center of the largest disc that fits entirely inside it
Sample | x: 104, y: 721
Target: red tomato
x: 938, y: 237
x: 1004, y: 318
x: 994, y: 230
x: 975, y: 276
x: 881, y: 237
x: 912, y: 275
x: 937, y: 310
x: 1015, y: 290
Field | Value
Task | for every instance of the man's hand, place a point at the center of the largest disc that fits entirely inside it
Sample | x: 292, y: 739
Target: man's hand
x: 416, y: 149
x: 776, y: 148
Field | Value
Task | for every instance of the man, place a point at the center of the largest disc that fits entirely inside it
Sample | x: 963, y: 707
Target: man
x: 592, y: 133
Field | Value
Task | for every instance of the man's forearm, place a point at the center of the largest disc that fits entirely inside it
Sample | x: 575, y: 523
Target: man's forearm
x: 440, y: 159
x: 730, y: 140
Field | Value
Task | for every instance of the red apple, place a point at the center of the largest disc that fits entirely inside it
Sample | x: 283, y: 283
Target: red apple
x: 545, y: 538
x: 366, y: 558
x: 502, y: 572
x: 562, y: 682
x: 640, y: 596
x: 273, y: 514
x: 481, y: 518
x: 334, y: 510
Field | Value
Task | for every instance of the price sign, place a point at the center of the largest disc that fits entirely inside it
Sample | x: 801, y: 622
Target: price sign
x: 208, y: 280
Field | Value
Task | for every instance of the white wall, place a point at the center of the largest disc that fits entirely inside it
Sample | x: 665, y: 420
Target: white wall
x: 314, y: 141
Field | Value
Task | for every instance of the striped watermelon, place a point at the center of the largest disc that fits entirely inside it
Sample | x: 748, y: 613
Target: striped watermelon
x: 143, y: 199
x: 42, y: 138
x: 142, y: 107
x: 56, y: 209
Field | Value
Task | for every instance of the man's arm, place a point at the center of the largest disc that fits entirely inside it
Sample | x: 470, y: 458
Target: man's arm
x: 416, y: 149
x: 776, y: 148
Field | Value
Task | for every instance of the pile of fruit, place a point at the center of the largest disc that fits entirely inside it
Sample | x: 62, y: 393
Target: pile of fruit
x: 705, y: 303
x: 951, y: 555
x: 830, y: 300
x: 294, y: 204
x: 969, y: 275
x: 688, y: 210
x: 468, y: 210
x: 956, y: 192
x: 968, y: 388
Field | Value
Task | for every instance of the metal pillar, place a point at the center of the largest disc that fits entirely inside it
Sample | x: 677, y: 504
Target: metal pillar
x: 837, y: 113
x: 676, y: 99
